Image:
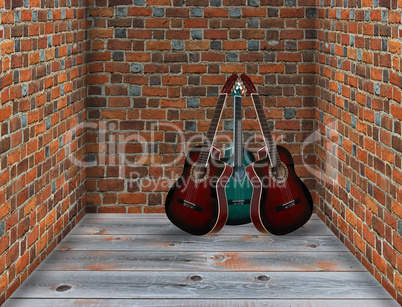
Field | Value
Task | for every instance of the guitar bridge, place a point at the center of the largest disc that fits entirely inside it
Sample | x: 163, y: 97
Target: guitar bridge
x: 287, y: 205
x: 238, y: 201
x: 190, y: 205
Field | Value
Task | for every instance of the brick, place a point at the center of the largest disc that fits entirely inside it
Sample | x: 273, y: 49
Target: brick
x: 158, y: 45
x: 291, y: 13
x: 98, y: 33
x: 132, y: 198
x: 153, y: 114
x: 158, y: 185
x: 114, y: 44
x: 174, y: 80
x: 178, y: 34
x: 114, y: 114
x: 195, y: 23
x: 232, y: 68
x: 215, y: 34
x: 132, y: 125
x: 3, y: 283
x: 5, y: 113
x: 120, y: 2
x: 177, y: 12
x: 101, y: 12
x: 194, y: 68
x: 7, y: 47
x: 197, y: 45
x: 397, y: 143
x: 7, y: 17
x: 289, y: 57
x: 254, y: 12
x: 158, y: 2
x: 110, y: 185
x: 215, y: 13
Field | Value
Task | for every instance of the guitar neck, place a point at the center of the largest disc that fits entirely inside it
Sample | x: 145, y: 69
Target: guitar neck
x: 237, y: 133
x: 213, y: 127
x: 266, y: 131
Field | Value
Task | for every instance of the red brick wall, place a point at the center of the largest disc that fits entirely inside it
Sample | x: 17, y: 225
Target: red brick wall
x: 359, y: 113
x: 155, y: 70
x: 328, y: 71
x: 42, y: 94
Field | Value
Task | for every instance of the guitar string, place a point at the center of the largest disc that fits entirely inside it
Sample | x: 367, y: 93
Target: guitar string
x: 285, y: 190
x: 192, y: 192
x: 286, y: 193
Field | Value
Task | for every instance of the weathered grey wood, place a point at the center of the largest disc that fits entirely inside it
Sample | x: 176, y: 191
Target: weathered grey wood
x: 142, y: 215
x: 188, y: 242
x: 198, y: 303
x: 213, y: 285
x: 124, y: 215
x: 143, y: 260
x: 129, y: 226
x: 203, y: 261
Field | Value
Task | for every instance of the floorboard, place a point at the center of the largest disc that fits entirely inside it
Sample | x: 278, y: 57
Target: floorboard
x: 199, y: 303
x: 205, y: 243
x: 203, y: 261
x: 143, y: 260
x: 208, y: 285
x: 159, y: 226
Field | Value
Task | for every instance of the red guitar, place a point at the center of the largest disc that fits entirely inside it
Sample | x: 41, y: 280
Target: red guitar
x: 281, y: 202
x: 197, y: 202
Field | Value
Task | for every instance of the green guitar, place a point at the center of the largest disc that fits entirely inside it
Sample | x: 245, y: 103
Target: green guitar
x: 239, y: 188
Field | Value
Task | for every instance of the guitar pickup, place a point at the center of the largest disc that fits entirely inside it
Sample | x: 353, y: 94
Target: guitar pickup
x: 287, y: 205
x: 190, y: 205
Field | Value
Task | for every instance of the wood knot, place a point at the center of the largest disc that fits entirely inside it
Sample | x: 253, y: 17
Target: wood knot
x: 63, y: 288
x: 312, y: 245
x: 263, y: 278
x: 218, y: 258
x: 196, y: 278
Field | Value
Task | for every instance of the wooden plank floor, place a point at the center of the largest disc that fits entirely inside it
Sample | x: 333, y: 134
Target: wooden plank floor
x: 143, y: 260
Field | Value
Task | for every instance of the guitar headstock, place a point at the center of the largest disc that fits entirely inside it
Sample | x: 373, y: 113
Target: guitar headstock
x: 248, y: 84
x: 227, y: 88
x: 238, y: 88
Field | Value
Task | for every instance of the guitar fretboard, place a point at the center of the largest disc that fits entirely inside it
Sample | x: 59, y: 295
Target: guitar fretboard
x: 266, y: 131
x: 213, y: 126
x: 237, y: 133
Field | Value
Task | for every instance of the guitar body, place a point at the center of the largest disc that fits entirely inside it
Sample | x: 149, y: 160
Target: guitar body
x: 200, y: 207
x: 278, y: 206
x: 238, y: 191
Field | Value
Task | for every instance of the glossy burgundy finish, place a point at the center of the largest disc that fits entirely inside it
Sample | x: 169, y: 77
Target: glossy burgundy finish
x: 250, y: 88
x: 262, y: 153
x: 268, y: 194
x: 228, y: 86
x: 209, y: 194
